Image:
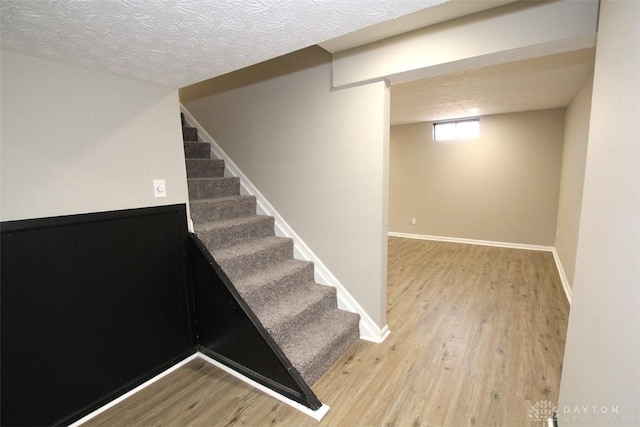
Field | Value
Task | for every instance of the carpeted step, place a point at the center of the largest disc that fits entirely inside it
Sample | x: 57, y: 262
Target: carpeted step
x: 205, y: 168
x: 207, y: 188
x: 197, y: 150
x: 319, y: 344
x: 221, y: 208
x: 216, y: 235
x: 253, y: 256
x: 189, y: 133
x: 301, y: 316
x: 267, y: 285
x: 305, y: 303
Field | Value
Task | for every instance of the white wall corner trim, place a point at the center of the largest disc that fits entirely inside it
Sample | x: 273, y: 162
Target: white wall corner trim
x: 369, y: 330
x: 563, y: 277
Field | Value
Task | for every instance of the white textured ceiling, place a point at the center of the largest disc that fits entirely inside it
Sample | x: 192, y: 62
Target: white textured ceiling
x: 445, y: 11
x: 177, y: 43
x: 544, y: 82
x: 180, y: 42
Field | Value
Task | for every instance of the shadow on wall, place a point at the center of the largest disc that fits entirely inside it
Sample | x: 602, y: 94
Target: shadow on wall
x: 289, y: 64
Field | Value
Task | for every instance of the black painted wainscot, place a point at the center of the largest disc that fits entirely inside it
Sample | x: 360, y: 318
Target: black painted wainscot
x: 94, y: 305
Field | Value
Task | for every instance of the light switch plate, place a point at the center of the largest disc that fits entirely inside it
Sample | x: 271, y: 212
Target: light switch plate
x: 159, y: 188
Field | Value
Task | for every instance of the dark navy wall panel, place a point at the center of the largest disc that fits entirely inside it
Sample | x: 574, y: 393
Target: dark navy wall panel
x: 92, y: 306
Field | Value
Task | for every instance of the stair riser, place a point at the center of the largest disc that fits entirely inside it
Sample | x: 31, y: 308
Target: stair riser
x: 213, y: 187
x: 329, y: 354
x: 239, y: 266
x: 219, y: 209
x: 197, y: 150
x: 205, y: 168
x: 283, y: 331
x: 221, y: 237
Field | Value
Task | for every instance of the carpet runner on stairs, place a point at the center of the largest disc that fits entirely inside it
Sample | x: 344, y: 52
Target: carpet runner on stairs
x: 301, y: 315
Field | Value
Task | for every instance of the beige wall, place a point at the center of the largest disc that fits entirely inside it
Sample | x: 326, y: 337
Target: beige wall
x: 500, y: 187
x: 519, y: 30
x: 574, y: 154
x: 601, y: 363
x: 77, y: 141
x: 318, y: 156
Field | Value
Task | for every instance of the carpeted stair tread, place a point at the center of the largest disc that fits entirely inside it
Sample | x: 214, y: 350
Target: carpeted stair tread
x: 260, y: 288
x: 218, y: 234
x: 205, y: 168
x: 197, y: 150
x: 220, y: 208
x: 206, y: 188
x: 189, y: 133
x: 314, y: 348
x: 253, y: 256
x: 303, y: 304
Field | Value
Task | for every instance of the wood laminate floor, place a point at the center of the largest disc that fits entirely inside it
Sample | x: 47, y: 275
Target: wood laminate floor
x: 477, y: 337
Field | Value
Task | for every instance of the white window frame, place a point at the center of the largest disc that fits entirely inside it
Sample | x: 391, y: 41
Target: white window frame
x: 451, y: 130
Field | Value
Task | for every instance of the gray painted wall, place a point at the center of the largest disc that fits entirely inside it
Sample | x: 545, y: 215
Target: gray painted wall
x: 574, y: 154
x: 78, y: 141
x: 318, y: 156
x: 500, y: 187
x: 602, y: 363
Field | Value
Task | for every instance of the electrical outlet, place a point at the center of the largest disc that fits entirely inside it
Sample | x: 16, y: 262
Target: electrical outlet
x: 414, y: 221
x: 159, y: 188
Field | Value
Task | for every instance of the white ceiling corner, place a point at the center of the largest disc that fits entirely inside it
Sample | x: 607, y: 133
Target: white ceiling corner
x: 446, y: 10
x: 176, y: 43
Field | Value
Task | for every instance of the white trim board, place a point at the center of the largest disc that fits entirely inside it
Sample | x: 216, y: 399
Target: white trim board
x: 316, y: 415
x: 131, y: 392
x: 369, y: 330
x: 563, y: 277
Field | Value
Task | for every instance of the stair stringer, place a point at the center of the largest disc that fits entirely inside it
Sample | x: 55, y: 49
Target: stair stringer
x: 369, y: 330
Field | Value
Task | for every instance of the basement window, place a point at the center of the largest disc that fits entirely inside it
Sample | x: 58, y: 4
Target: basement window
x: 459, y: 129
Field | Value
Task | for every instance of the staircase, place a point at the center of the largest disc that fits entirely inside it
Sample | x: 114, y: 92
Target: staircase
x: 301, y: 316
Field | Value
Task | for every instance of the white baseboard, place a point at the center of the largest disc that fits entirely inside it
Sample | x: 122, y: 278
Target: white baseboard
x: 473, y: 241
x: 316, y: 415
x: 563, y: 277
x: 130, y: 393
x: 369, y: 330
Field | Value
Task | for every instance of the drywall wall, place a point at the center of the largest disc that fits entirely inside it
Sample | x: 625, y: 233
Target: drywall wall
x: 77, y: 141
x: 500, y: 187
x: 519, y: 30
x: 318, y: 156
x: 601, y: 368
x: 574, y: 155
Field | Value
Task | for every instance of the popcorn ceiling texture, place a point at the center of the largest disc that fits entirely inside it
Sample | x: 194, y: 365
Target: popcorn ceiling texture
x: 176, y: 43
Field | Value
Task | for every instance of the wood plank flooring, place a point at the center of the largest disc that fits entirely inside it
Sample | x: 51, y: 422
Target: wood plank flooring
x: 477, y: 336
